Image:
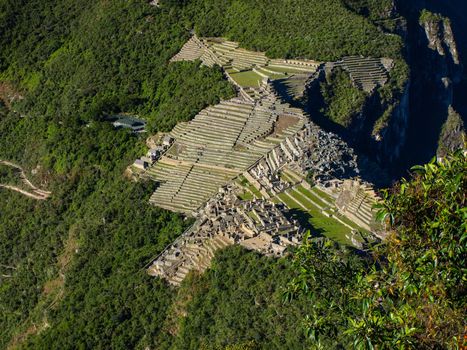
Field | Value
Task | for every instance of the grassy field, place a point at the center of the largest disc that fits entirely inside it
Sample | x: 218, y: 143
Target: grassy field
x: 254, y: 217
x: 246, y: 196
x: 276, y: 75
x: 247, y: 79
x: 286, y: 178
x: 317, y: 194
x: 250, y: 190
x: 288, y: 71
x: 311, y: 195
x: 323, y: 194
x: 314, y: 220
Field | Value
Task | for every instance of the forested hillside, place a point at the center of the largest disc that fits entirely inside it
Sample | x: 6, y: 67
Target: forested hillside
x: 72, y: 267
x: 81, y: 60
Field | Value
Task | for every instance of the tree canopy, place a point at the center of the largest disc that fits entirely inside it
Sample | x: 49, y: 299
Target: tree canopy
x: 408, y: 292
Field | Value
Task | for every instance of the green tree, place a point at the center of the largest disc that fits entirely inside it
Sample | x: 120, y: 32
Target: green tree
x: 409, y: 292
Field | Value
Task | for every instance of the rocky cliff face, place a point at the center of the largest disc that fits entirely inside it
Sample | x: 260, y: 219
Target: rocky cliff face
x: 453, y: 136
x: 424, y: 107
x: 436, y: 69
x: 440, y: 36
x: 402, y: 126
x: 391, y: 140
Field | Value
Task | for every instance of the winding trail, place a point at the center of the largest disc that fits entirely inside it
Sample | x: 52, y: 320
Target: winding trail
x: 36, y: 193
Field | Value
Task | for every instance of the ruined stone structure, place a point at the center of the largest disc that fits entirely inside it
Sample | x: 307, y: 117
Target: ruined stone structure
x: 230, y: 56
x: 223, y: 221
x: 356, y: 200
x: 257, y: 140
x: 311, y: 149
x: 192, y: 50
x: 367, y: 73
x: 221, y: 142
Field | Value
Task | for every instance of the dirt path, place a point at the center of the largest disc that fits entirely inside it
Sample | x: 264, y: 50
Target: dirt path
x: 36, y: 192
x: 29, y: 194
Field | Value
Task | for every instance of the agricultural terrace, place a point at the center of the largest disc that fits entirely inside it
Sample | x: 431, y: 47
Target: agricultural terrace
x: 220, y: 143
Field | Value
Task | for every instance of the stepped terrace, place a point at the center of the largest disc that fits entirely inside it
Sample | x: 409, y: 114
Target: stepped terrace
x: 247, y: 68
x: 220, y: 143
x: 366, y: 73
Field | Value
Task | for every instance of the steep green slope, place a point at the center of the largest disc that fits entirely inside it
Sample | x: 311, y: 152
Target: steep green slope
x: 342, y: 101
x: 104, y: 57
x: 238, y: 301
x: 91, y: 238
x: 85, y: 247
x: 320, y: 30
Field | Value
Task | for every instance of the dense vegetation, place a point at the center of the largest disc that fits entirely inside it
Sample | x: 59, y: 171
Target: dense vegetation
x: 408, y: 293
x: 290, y: 29
x: 375, y: 10
x: 237, y: 302
x: 86, y: 245
x: 343, y: 102
x: 9, y: 175
x: 94, y: 57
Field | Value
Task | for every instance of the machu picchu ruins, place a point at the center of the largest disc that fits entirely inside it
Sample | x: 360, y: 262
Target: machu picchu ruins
x: 225, y: 220
x: 250, y: 169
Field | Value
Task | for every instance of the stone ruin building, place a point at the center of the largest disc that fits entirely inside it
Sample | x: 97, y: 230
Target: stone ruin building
x: 222, y: 221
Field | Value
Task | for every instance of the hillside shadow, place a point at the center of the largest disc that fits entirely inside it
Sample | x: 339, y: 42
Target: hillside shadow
x: 428, y: 98
x: 303, y: 219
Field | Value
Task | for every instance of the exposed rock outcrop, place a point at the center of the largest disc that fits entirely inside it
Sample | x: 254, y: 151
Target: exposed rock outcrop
x: 440, y: 36
x: 391, y: 139
x: 453, y: 136
x: 435, y: 71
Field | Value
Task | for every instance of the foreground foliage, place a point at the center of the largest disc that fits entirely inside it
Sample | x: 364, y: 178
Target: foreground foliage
x: 412, y: 296
x: 237, y: 304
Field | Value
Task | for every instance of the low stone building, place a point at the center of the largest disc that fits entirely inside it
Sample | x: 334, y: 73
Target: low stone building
x: 140, y: 164
x: 127, y: 122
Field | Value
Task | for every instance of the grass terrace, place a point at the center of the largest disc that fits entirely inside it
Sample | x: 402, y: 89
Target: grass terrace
x: 324, y: 200
x: 283, y: 71
x: 322, y: 194
x: 286, y: 178
x: 271, y: 74
x: 249, y: 188
x: 305, y: 206
x: 246, y: 196
x: 247, y: 78
x: 313, y: 219
x: 253, y: 215
x: 306, y: 196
